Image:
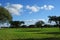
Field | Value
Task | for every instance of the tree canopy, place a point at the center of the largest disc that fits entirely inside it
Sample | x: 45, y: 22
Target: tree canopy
x: 4, y: 15
x: 16, y: 24
x: 39, y: 23
x: 56, y: 19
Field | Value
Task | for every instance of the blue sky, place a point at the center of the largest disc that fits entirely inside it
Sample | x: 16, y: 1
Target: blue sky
x: 31, y: 11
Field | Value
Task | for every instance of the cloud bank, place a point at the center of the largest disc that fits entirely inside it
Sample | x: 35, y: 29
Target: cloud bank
x: 35, y: 20
x: 17, y: 9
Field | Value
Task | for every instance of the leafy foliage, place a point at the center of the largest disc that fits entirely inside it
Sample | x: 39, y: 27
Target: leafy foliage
x: 56, y: 19
x: 16, y: 24
x: 4, y: 15
x: 39, y: 23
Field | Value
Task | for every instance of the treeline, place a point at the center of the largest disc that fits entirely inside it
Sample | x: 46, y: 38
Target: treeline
x: 22, y: 25
x: 38, y: 24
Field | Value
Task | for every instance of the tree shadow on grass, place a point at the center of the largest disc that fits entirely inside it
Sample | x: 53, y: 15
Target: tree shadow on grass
x: 30, y: 31
x: 33, y: 31
x: 39, y: 39
x: 57, y: 33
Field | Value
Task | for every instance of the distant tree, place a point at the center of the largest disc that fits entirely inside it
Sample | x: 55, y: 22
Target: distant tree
x: 4, y: 15
x: 56, y: 19
x: 24, y: 26
x: 53, y: 18
x: 31, y: 26
x: 16, y: 24
x: 48, y: 25
x: 39, y: 24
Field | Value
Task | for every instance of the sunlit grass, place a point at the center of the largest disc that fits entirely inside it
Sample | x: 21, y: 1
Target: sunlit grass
x: 27, y: 33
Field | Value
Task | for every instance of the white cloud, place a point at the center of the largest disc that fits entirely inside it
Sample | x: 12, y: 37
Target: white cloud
x: 38, y: 8
x: 14, y: 8
x: 50, y: 7
x: 17, y: 6
x: 47, y: 7
x: 0, y: 4
x: 33, y: 8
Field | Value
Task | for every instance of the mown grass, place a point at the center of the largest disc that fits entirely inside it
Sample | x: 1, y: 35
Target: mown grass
x: 29, y: 34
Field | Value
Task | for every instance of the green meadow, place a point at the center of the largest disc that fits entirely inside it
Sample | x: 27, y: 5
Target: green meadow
x: 29, y: 34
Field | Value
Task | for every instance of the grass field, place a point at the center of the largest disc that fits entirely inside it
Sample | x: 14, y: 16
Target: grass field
x: 29, y: 34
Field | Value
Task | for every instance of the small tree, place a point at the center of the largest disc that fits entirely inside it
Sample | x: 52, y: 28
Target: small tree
x: 31, y: 26
x: 39, y: 23
x: 53, y: 18
x: 16, y: 24
x: 56, y: 19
